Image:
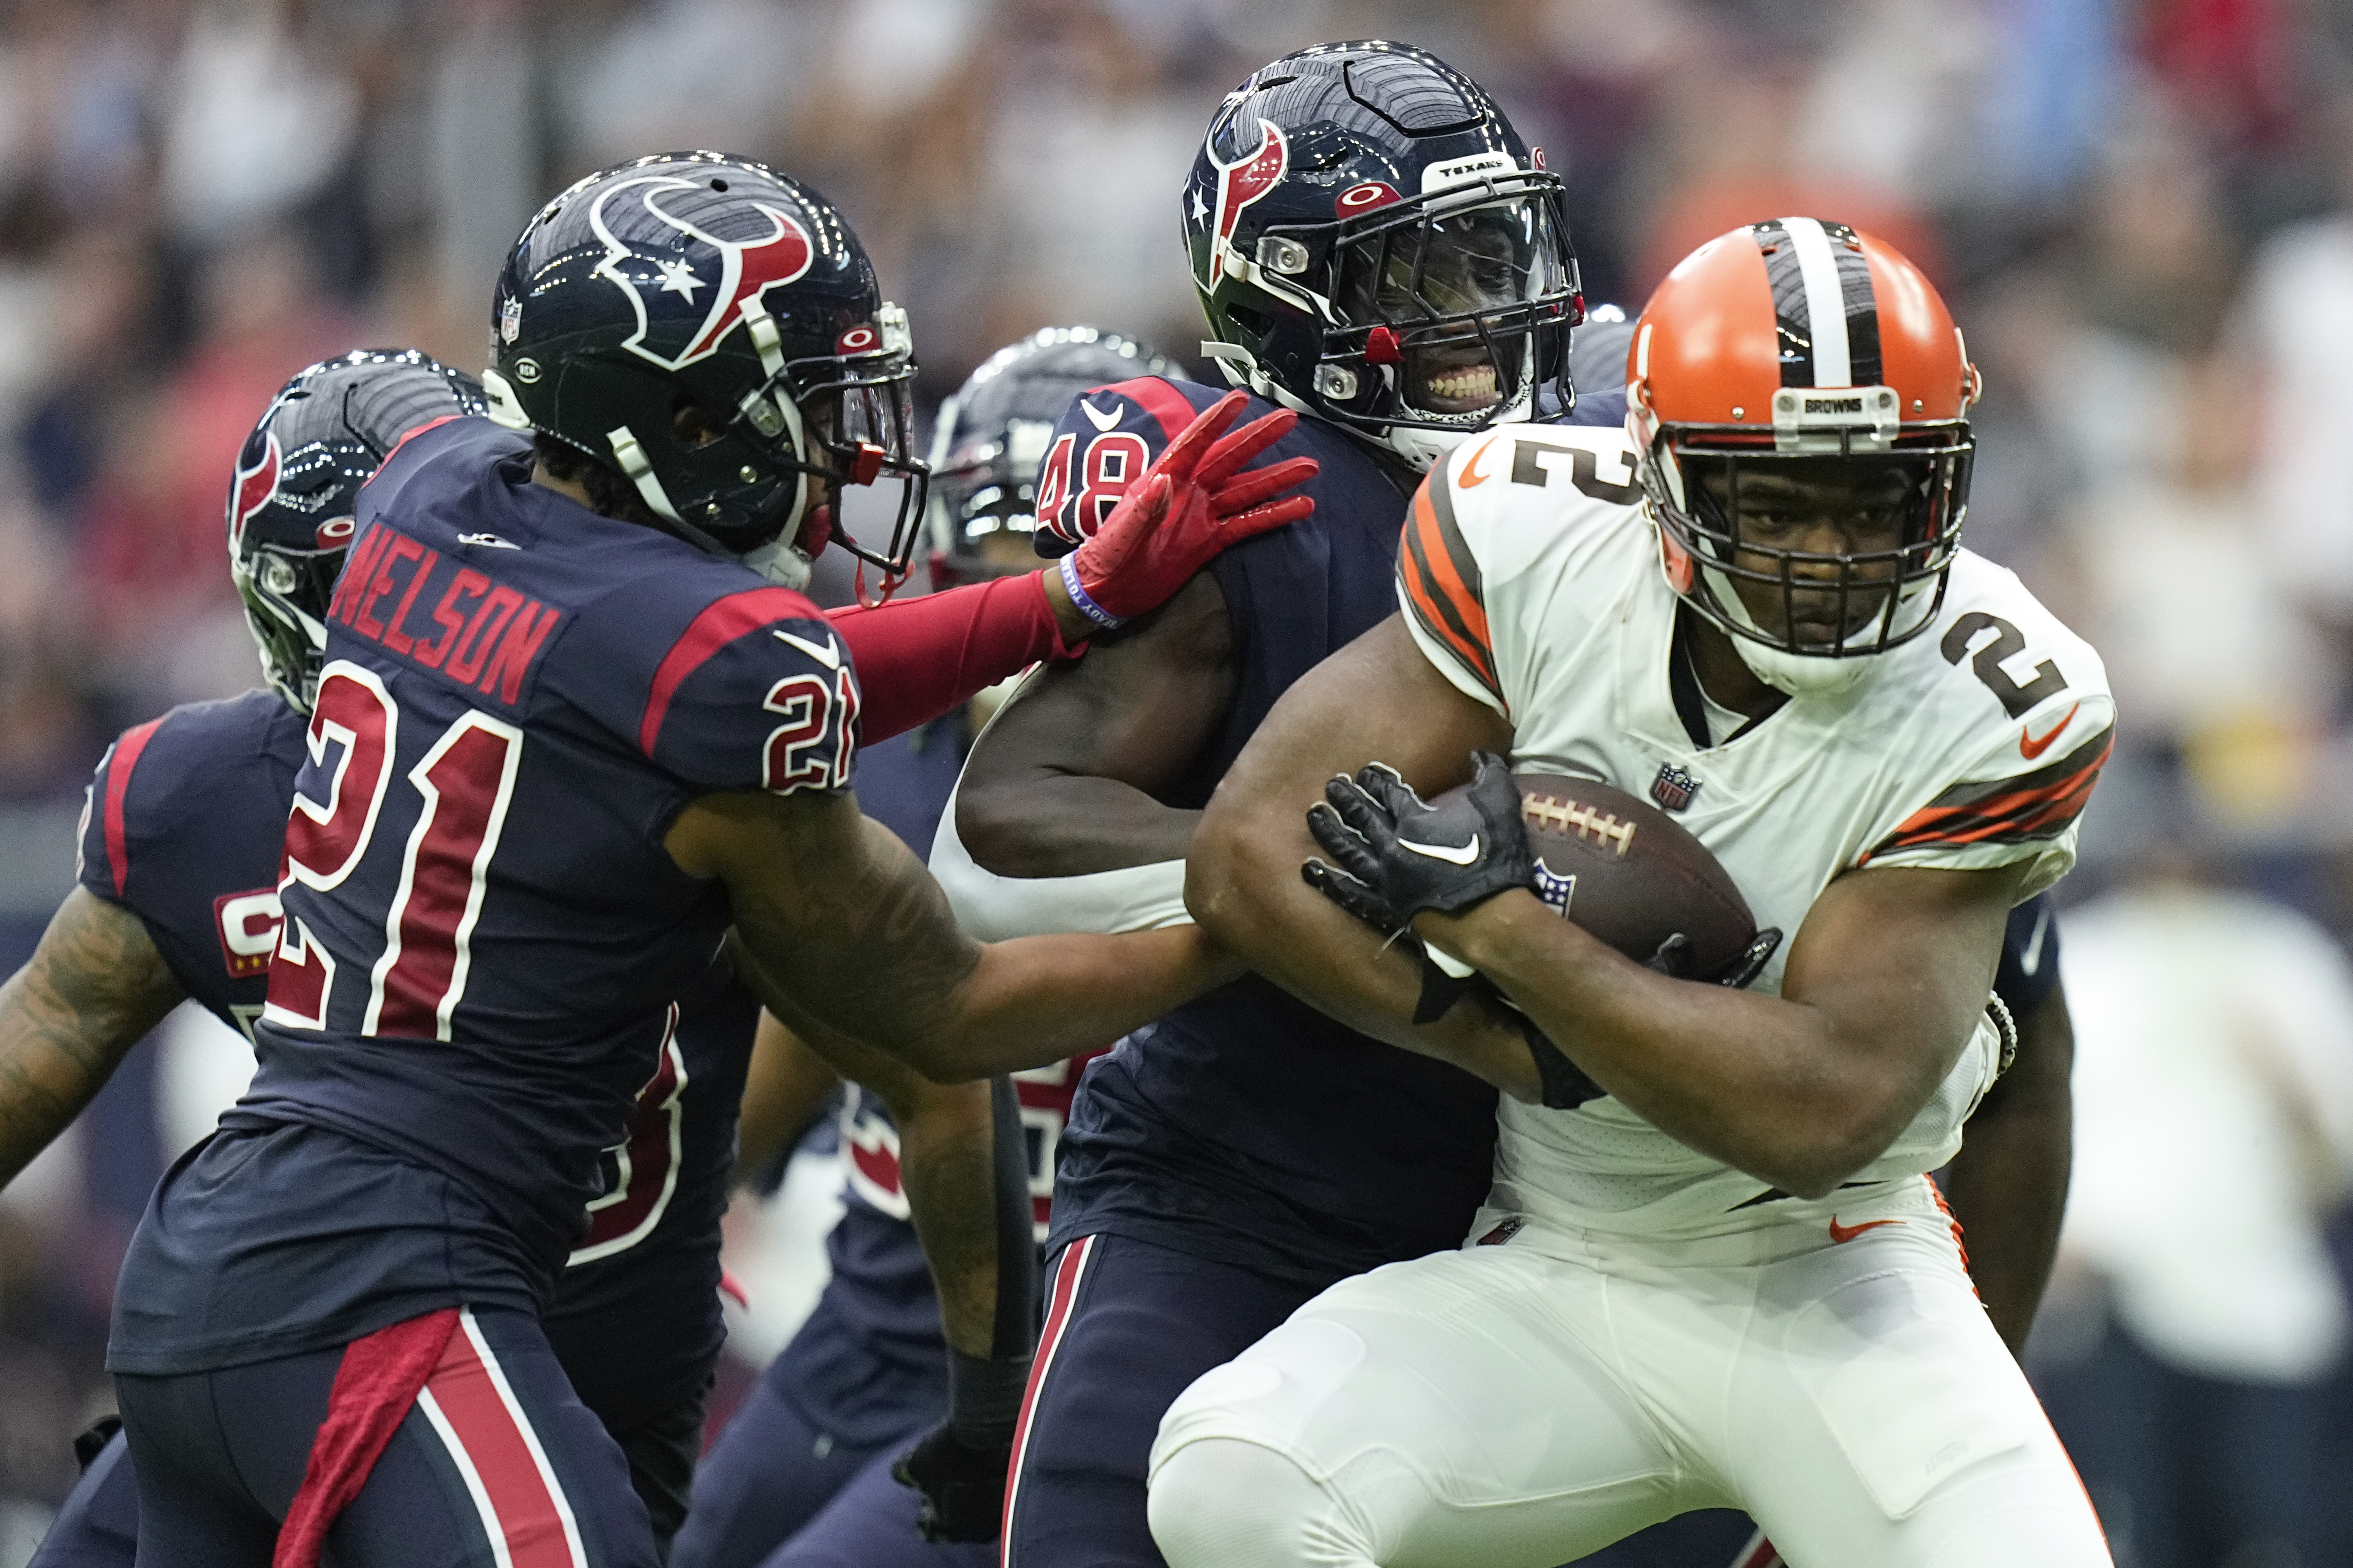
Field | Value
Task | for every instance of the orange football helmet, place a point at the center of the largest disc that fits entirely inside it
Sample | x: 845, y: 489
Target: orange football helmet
x: 1801, y: 347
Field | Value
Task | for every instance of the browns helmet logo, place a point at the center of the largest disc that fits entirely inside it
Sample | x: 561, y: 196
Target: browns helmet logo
x: 1243, y: 182
x: 697, y: 297
x: 256, y: 483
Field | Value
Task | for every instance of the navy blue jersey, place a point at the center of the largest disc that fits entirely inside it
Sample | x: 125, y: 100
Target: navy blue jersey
x: 1247, y: 1126
x: 483, y: 933
x: 187, y: 815
x: 2029, y: 957
x: 182, y: 827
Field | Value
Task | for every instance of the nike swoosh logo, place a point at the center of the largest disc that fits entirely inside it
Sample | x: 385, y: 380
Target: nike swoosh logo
x: 1471, y: 477
x: 2032, y: 958
x: 492, y: 540
x: 2029, y: 748
x: 828, y: 656
x: 1458, y: 855
x: 1842, y: 1233
x: 1097, y: 417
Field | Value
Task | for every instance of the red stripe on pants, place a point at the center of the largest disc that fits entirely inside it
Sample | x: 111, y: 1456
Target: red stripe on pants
x: 1073, y: 1264
x: 489, y: 1435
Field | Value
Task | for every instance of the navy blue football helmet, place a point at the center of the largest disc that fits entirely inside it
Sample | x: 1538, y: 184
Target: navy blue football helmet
x: 992, y: 436
x: 297, y: 484
x: 706, y: 279
x: 1374, y: 245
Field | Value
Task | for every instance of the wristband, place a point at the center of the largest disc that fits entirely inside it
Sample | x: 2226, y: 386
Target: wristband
x: 1563, y: 1083
x: 1087, y: 606
x: 985, y: 1394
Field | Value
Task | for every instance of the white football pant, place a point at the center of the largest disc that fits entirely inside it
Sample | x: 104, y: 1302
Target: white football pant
x: 1521, y: 1405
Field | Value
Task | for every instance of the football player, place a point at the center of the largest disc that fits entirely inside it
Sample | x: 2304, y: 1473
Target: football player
x: 804, y: 1463
x: 570, y: 731
x: 177, y: 899
x: 1710, y: 1272
x: 1375, y: 246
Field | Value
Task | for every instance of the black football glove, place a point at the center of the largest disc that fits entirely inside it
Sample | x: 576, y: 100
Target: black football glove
x: 1405, y: 854
x: 961, y: 1476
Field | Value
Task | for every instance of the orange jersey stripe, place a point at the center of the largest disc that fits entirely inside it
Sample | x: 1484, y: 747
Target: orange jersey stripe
x: 1440, y: 577
x: 2041, y: 809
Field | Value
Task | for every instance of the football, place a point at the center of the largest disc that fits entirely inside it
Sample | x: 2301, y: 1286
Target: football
x: 1632, y: 876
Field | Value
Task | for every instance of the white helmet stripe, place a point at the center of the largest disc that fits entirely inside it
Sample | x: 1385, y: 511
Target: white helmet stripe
x: 1825, y: 305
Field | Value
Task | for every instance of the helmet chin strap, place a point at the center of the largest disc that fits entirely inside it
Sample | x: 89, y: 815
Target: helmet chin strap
x: 1798, y: 674
x: 781, y: 563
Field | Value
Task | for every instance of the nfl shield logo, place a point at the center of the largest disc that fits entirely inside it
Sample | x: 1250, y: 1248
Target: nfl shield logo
x: 1674, y: 788
x: 510, y: 319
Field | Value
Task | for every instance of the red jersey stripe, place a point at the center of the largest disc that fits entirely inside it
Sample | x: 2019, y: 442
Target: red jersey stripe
x: 721, y: 623
x: 1163, y: 402
x: 522, y: 1505
x: 118, y: 785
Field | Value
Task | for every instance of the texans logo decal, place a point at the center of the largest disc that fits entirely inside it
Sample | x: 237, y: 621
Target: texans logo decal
x: 253, y: 487
x: 734, y: 270
x: 1240, y: 183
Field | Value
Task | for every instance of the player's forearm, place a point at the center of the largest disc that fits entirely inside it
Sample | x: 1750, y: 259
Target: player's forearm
x: 1242, y: 886
x: 946, y: 1164
x: 2008, y: 1186
x: 1034, y: 1001
x: 918, y: 659
x: 92, y: 989
x: 1767, y: 1086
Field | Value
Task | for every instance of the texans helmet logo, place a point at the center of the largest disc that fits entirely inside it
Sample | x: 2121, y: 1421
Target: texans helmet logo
x: 734, y: 272
x: 1243, y: 182
x: 254, y: 485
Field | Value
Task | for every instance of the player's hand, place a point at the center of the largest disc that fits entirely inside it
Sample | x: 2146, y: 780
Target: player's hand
x: 961, y: 1477
x: 1188, y: 506
x: 1407, y: 854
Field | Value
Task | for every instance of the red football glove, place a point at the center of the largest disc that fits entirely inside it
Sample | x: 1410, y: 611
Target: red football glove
x: 1187, y: 507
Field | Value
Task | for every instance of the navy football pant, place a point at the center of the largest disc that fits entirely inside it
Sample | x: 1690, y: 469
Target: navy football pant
x: 1129, y: 1326
x: 768, y: 1475
x: 775, y: 1492
x: 98, y: 1525
x: 496, y: 1463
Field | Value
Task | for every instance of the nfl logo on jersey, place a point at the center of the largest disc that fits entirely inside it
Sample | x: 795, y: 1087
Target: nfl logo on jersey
x: 1674, y: 788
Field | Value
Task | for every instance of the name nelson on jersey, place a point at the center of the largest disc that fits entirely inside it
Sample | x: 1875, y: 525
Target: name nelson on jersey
x: 447, y: 616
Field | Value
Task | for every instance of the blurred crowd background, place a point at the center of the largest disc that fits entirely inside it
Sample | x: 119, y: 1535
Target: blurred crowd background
x: 2141, y: 210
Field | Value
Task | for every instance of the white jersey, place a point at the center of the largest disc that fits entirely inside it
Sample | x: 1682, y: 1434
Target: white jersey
x: 1530, y: 576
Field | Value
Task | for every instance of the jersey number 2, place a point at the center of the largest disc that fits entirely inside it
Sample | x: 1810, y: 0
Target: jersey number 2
x: 466, y: 780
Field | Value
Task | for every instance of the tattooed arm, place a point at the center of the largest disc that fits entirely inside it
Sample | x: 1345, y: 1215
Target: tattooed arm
x: 90, y: 992
x: 849, y: 939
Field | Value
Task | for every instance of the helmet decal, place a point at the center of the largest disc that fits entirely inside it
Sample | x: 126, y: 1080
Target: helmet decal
x: 1365, y: 197
x: 1244, y: 182
x: 736, y: 271
x: 253, y: 486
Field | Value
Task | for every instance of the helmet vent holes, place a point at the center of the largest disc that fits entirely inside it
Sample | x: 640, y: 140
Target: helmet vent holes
x: 719, y: 185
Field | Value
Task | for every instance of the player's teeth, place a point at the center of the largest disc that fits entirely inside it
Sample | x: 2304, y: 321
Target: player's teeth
x: 1467, y: 383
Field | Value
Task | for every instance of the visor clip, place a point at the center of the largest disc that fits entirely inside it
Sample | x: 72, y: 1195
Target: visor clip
x: 1381, y: 347
x: 865, y: 463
